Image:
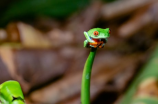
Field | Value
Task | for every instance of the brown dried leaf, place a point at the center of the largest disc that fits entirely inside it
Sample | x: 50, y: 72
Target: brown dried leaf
x: 122, y: 8
x: 32, y: 38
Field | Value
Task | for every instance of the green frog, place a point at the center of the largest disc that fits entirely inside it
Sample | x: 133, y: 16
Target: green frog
x: 96, y: 37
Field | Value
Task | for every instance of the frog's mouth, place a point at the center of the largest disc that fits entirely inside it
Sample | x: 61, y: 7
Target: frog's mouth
x: 99, y: 40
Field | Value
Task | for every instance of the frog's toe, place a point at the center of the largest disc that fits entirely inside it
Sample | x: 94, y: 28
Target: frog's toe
x: 102, y: 46
x: 85, y: 45
x: 93, y: 46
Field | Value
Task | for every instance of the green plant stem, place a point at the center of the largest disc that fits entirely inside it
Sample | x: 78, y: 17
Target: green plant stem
x: 85, y: 87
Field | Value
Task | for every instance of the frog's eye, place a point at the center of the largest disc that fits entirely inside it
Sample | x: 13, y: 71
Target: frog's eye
x: 96, y: 33
x: 109, y: 31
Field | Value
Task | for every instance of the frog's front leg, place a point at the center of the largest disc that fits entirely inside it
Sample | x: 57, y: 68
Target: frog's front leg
x: 90, y: 44
x: 86, y: 43
x: 93, y: 44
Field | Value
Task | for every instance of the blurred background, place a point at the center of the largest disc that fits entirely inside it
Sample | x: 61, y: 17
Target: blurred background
x: 41, y: 46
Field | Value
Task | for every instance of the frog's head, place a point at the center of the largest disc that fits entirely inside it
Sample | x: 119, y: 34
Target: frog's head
x: 99, y: 33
